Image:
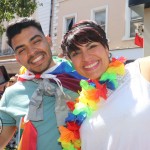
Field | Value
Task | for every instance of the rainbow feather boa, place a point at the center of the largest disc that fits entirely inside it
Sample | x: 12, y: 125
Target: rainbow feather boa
x: 92, y: 92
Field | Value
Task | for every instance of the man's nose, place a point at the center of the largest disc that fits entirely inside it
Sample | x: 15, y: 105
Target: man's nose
x: 30, y: 50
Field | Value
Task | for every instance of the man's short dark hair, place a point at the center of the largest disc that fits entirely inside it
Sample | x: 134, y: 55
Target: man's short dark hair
x: 17, y: 26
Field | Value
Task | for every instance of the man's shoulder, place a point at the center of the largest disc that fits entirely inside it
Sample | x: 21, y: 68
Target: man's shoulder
x: 20, y: 88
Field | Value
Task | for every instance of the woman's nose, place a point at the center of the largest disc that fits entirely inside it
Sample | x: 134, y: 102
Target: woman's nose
x: 85, y: 55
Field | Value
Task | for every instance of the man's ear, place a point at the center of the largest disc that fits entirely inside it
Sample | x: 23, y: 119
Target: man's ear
x: 49, y: 40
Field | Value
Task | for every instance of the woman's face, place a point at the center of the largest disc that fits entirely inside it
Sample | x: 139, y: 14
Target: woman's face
x: 91, y: 60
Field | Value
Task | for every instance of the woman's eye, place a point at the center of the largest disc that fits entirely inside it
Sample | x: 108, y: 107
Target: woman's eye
x: 73, y: 54
x: 92, y: 46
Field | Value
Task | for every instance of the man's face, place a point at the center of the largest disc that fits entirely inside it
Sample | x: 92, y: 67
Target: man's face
x: 32, y: 50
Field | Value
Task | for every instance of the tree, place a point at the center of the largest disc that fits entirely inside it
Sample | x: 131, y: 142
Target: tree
x: 11, y: 8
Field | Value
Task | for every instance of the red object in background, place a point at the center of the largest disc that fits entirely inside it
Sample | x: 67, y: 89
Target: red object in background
x: 138, y: 40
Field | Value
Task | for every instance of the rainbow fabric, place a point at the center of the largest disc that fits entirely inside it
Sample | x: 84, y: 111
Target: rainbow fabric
x: 29, y: 137
x: 92, y: 92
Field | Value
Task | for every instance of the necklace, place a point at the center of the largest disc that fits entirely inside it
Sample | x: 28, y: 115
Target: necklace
x: 92, y: 93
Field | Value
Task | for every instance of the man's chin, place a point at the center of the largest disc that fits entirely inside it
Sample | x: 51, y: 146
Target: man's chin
x: 38, y: 70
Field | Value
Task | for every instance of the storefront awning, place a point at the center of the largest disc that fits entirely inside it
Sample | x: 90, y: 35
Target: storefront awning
x: 138, y: 2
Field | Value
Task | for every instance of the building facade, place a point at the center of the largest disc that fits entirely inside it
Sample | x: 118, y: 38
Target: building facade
x: 119, y: 20
x: 146, y: 36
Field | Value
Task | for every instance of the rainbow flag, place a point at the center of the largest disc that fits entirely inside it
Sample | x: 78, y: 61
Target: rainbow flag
x: 29, y: 136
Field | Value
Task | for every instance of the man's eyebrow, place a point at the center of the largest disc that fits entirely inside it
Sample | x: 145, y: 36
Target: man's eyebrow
x: 35, y: 37
x: 32, y: 38
x: 18, y: 47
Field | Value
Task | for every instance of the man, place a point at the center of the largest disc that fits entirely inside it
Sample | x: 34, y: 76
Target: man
x: 12, y: 81
x: 40, y: 102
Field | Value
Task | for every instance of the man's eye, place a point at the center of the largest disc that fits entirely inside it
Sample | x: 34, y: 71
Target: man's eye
x: 20, y: 51
x: 37, y: 41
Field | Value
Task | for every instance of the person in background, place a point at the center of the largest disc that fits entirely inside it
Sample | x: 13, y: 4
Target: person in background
x: 4, y: 78
x: 36, y: 103
x: 116, y: 117
x: 12, y: 143
x: 12, y: 81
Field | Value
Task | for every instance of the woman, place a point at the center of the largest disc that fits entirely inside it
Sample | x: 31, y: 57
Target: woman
x: 120, y: 119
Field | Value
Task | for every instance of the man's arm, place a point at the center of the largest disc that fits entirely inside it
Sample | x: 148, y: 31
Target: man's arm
x: 6, y: 135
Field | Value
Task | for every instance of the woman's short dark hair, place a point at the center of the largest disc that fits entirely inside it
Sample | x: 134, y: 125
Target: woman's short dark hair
x: 16, y: 27
x: 81, y: 33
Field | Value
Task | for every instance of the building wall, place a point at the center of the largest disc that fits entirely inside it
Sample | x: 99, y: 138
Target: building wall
x: 43, y: 15
x: 116, y: 21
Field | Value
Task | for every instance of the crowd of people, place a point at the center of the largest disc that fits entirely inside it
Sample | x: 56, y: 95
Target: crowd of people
x: 101, y: 104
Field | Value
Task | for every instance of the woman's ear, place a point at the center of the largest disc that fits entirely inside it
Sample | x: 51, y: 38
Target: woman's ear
x: 107, y: 52
x: 49, y: 40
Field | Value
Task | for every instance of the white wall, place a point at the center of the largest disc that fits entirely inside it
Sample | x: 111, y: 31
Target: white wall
x: 128, y: 53
x: 43, y: 15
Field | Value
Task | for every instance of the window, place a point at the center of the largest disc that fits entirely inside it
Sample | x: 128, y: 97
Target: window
x: 69, y: 20
x: 69, y: 23
x: 133, y: 17
x: 100, y: 16
x: 136, y: 19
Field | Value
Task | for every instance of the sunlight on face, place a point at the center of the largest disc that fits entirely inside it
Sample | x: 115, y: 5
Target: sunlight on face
x: 91, y: 60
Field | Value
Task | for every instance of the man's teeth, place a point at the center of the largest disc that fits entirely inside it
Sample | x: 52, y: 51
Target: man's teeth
x: 37, y: 59
x: 92, y: 65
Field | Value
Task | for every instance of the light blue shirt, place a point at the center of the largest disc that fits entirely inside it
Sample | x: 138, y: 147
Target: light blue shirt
x: 14, y: 105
